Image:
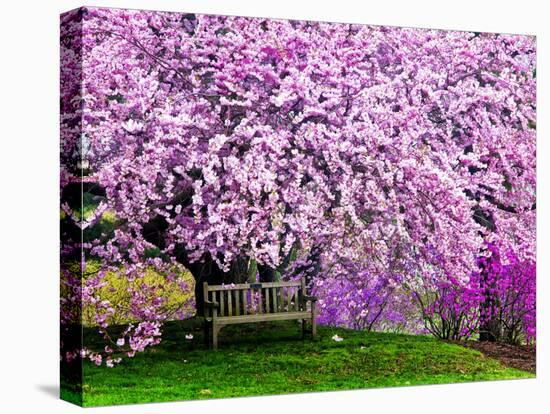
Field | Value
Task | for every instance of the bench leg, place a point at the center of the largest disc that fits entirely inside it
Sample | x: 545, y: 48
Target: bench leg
x: 215, y: 330
x: 303, y: 321
x: 313, y: 322
x: 206, y: 333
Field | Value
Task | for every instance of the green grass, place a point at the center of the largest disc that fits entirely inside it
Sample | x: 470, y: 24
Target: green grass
x: 273, y: 359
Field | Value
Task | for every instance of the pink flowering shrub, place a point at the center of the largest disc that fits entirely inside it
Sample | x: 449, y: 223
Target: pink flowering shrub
x: 366, y: 303
x: 93, y: 297
x: 449, y: 308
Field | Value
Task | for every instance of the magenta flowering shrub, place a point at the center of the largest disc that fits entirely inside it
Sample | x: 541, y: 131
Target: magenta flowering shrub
x: 508, y: 296
x: 236, y: 146
x: 498, y: 301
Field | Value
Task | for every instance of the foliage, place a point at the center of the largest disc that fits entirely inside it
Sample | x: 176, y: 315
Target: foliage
x: 177, y: 296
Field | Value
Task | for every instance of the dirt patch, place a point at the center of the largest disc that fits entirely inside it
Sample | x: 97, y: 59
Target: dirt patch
x: 522, y: 357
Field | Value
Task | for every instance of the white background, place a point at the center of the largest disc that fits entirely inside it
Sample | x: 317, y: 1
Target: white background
x: 29, y: 60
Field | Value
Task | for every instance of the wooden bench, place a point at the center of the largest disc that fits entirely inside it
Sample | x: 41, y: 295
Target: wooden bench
x: 256, y: 302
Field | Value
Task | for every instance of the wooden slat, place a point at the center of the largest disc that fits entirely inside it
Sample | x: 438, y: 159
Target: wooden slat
x: 247, y: 285
x: 245, y: 302
x: 271, y: 297
x: 289, y: 298
x: 237, y: 302
x: 302, y: 291
x: 266, y: 294
x: 281, y: 316
x: 274, y: 295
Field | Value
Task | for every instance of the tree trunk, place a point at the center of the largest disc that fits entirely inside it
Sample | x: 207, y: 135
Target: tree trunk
x: 203, y: 271
x: 489, y: 329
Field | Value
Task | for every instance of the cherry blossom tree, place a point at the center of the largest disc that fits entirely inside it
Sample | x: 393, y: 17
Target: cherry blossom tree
x: 248, y: 147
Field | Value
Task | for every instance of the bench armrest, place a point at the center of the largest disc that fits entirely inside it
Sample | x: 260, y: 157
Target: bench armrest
x: 210, y: 304
x: 309, y: 298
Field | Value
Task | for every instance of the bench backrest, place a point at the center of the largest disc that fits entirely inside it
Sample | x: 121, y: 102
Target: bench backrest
x: 255, y: 298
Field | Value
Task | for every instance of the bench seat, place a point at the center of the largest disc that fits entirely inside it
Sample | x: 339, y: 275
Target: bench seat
x: 262, y: 317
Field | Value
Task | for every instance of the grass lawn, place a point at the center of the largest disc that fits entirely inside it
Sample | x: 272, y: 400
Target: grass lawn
x: 275, y: 360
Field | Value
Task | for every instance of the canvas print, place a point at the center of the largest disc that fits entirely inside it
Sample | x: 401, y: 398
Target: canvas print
x: 252, y: 206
